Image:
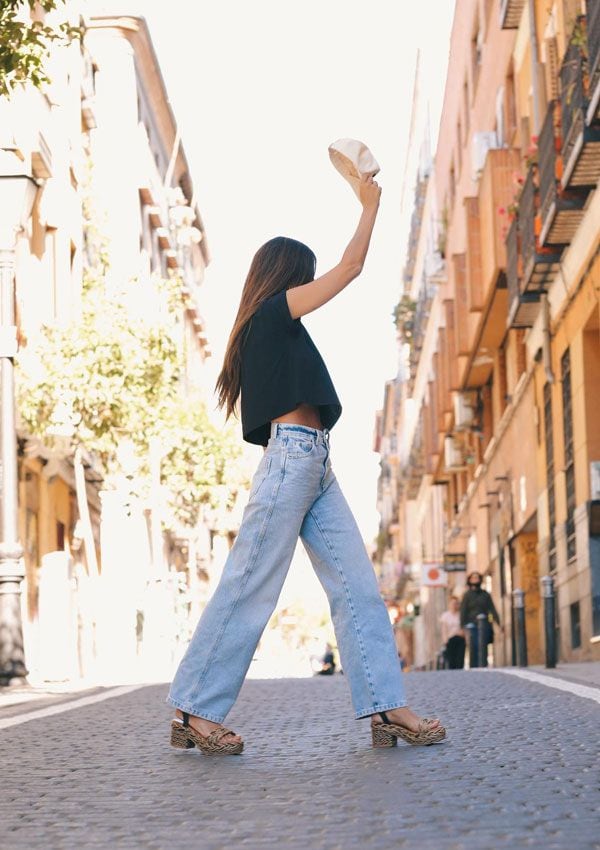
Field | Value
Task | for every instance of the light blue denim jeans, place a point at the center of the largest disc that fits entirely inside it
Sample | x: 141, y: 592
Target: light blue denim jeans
x: 294, y: 493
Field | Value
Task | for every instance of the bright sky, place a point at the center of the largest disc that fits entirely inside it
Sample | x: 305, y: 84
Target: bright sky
x: 260, y: 89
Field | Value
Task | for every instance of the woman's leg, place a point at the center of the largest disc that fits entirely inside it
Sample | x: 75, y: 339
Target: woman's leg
x: 362, y: 625
x: 213, y: 668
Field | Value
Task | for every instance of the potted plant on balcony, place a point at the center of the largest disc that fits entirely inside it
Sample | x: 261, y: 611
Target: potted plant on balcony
x: 404, y: 318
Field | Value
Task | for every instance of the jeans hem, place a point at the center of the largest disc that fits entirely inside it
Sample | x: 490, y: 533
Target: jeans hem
x: 189, y: 709
x: 366, y: 712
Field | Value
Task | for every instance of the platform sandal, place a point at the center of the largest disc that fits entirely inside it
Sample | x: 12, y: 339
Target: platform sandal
x: 185, y: 737
x: 386, y: 734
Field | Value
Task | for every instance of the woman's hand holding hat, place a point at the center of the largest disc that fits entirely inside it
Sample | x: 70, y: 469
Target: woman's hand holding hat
x: 369, y: 192
x: 354, y: 161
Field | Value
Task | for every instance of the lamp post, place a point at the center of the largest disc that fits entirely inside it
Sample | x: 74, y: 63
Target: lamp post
x: 17, y: 194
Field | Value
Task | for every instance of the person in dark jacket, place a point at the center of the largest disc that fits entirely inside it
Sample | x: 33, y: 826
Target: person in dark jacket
x: 327, y: 662
x: 476, y: 601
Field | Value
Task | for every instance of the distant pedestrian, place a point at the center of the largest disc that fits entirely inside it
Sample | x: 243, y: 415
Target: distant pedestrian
x: 327, y: 662
x: 288, y: 405
x: 403, y: 635
x: 476, y: 601
x: 453, y: 636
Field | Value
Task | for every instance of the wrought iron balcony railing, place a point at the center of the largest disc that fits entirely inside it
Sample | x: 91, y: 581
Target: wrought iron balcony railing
x: 539, y: 263
x: 415, y: 467
x: 593, y: 49
x: 580, y: 140
x: 522, y: 306
x: 561, y: 210
x: 424, y: 301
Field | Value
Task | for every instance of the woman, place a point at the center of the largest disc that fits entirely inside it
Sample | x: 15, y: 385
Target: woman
x: 289, y: 405
x: 452, y: 635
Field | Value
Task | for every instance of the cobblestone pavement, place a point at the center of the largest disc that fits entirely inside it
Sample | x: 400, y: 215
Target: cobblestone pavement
x: 519, y: 770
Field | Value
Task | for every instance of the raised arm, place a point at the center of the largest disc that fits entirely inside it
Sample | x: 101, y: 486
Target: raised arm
x: 306, y: 298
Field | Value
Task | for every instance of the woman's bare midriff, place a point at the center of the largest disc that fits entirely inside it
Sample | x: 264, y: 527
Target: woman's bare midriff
x: 305, y: 414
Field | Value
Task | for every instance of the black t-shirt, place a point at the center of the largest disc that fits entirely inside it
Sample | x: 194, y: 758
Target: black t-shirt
x: 281, y: 369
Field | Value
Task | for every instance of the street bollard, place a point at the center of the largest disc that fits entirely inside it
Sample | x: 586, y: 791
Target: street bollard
x: 482, y: 636
x: 549, y: 598
x: 472, y: 642
x: 520, y: 635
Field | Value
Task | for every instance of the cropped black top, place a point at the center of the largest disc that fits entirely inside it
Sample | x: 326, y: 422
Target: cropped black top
x: 281, y: 369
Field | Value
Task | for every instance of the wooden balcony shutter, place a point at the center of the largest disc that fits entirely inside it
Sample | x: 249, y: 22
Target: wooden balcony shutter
x: 475, y: 289
x: 551, y: 68
x: 461, y: 303
x: 451, y: 346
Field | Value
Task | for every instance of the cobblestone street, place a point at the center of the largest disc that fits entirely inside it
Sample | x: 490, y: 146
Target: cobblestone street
x: 519, y: 769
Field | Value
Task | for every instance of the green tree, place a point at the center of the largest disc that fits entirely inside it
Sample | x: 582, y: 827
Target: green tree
x: 108, y: 377
x: 26, y: 40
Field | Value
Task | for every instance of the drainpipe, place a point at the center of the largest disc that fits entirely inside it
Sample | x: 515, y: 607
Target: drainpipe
x: 546, y: 352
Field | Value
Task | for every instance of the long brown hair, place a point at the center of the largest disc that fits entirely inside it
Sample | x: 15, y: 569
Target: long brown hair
x: 279, y: 264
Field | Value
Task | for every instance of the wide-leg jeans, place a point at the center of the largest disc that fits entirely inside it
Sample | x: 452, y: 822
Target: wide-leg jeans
x: 294, y: 493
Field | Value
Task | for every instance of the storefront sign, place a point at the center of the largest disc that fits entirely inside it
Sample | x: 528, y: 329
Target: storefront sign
x: 433, y: 575
x: 455, y: 562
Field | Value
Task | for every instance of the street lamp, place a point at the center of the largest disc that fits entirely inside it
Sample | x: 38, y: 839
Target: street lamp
x: 17, y: 194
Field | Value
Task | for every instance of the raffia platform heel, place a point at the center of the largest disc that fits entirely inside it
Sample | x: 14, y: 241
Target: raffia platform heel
x: 386, y: 734
x: 185, y: 737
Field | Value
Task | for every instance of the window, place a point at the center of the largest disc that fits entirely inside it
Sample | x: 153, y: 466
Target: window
x: 549, y: 434
x: 459, y: 144
x: 521, y: 352
x: 502, y: 381
x: 500, y: 131
x: 60, y: 535
x: 569, y: 453
x: 452, y: 187
x: 510, y: 107
x: 488, y: 16
x: 476, y: 54
x: 466, y: 106
x: 575, y: 626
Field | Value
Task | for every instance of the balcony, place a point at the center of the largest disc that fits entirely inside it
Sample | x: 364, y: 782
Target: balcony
x: 510, y: 13
x: 593, y: 47
x: 539, y: 262
x: 561, y: 210
x: 486, y: 327
x: 415, y: 229
x: 415, y: 467
x: 522, y: 306
x: 461, y: 303
x: 425, y: 298
x: 580, y: 136
x: 496, y: 192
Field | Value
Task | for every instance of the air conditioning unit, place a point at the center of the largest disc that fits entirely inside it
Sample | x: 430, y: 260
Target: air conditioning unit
x: 464, y: 410
x: 481, y: 143
x: 453, y: 456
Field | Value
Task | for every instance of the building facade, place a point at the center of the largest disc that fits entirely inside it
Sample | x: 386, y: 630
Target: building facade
x: 100, y: 136
x: 502, y: 459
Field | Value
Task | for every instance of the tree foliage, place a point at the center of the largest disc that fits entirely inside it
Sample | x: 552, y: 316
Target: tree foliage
x: 109, y: 378
x: 25, y: 41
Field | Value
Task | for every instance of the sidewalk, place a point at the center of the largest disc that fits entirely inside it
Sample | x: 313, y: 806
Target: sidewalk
x: 586, y: 673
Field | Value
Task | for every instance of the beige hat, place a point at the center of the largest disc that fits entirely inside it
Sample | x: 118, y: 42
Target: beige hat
x: 353, y: 160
